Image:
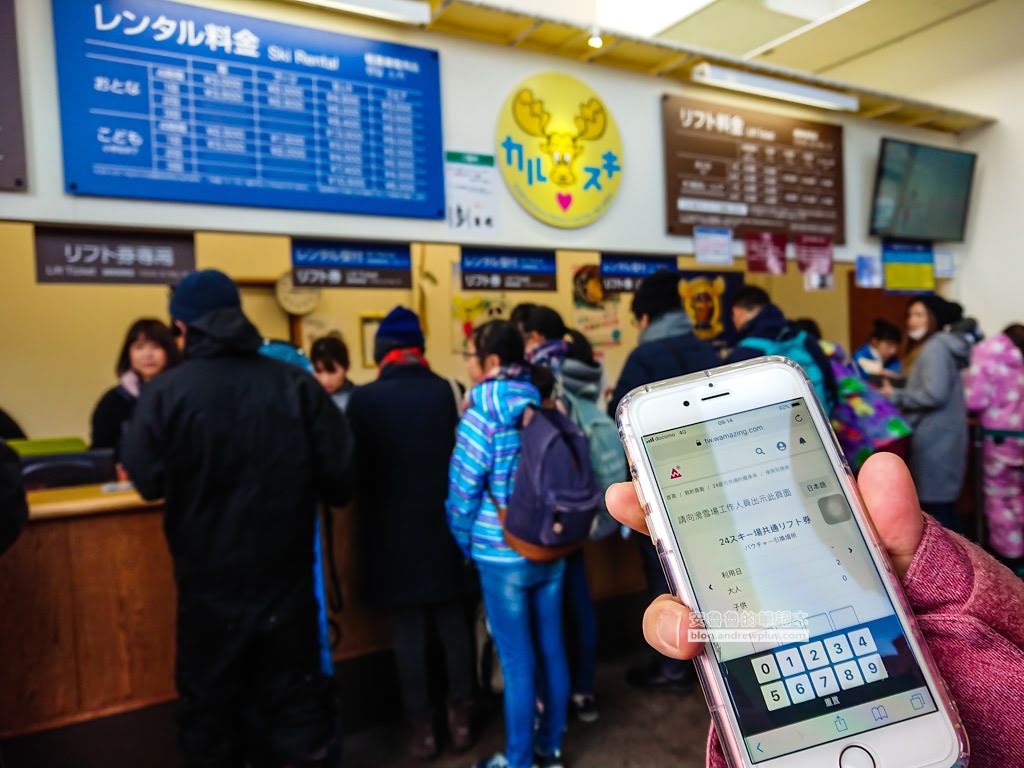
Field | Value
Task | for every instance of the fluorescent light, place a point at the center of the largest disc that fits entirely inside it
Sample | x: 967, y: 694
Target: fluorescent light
x: 401, y: 11
x: 772, y: 87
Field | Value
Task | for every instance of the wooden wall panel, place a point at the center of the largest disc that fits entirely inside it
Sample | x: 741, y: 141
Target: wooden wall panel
x: 866, y: 304
x: 363, y: 630
x: 124, y: 609
x: 614, y: 568
x: 38, y: 679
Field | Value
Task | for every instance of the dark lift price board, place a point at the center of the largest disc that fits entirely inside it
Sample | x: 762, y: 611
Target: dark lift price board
x: 751, y: 171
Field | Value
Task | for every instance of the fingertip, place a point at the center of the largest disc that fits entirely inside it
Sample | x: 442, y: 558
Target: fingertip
x: 624, y: 505
x: 666, y: 629
x: 888, y: 490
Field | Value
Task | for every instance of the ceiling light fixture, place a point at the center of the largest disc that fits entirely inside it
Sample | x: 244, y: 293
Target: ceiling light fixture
x: 772, y: 87
x: 400, y: 11
x: 595, y: 40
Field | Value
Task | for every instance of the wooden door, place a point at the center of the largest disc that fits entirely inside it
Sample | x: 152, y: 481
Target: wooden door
x: 867, y: 304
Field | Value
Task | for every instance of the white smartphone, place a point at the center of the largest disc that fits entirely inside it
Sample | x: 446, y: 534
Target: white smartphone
x: 812, y: 657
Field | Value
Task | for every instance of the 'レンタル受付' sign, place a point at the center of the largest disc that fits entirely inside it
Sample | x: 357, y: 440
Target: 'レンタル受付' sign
x: 623, y: 273
x: 493, y: 269
x: 103, y: 256
x: 750, y: 170
x: 333, y: 264
x: 167, y: 101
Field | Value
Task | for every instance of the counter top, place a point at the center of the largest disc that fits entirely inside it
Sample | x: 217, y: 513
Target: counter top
x: 85, y: 500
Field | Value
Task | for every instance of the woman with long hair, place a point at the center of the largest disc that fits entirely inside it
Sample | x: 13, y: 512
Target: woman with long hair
x: 933, y: 403
x: 523, y: 599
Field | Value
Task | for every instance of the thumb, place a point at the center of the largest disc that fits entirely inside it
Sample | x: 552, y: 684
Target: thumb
x: 891, y: 498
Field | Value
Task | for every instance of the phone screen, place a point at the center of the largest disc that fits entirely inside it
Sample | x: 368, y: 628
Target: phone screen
x: 807, y: 640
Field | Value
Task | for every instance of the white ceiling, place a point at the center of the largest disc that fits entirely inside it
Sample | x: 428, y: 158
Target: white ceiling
x: 807, y: 35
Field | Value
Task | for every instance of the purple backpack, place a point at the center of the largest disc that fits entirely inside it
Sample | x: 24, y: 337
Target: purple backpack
x: 555, y: 496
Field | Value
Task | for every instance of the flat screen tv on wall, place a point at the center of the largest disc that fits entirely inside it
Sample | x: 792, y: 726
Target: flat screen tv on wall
x: 921, y: 192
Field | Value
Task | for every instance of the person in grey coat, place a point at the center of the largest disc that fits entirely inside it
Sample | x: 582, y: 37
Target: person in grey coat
x: 933, y: 403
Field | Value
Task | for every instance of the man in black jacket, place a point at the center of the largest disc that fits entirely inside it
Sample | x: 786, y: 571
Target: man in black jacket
x: 755, y: 317
x: 242, y: 448
x: 668, y: 348
x: 404, y: 427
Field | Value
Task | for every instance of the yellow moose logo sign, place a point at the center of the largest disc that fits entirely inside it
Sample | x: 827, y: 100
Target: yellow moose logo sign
x: 559, y: 150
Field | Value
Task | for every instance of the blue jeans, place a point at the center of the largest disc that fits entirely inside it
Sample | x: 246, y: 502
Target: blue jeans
x: 581, y: 609
x: 524, y: 610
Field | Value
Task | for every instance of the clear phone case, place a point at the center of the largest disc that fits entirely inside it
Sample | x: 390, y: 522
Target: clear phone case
x: 717, y: 698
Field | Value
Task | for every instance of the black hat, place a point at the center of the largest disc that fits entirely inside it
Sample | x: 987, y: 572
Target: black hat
x: 945, y: 312
x: 657, y: 294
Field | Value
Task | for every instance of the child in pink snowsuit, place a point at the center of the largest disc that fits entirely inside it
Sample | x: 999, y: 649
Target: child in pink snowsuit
x: 995, y: 391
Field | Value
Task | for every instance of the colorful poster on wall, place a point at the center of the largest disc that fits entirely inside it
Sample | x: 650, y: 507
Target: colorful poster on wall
x: 707, y: 297
x: 595, y: 312
x: 469, y: 311
x: 750, y: 170
x: 105, y: 256
x: 766, y: 252
x: 13, y: 166
x: 909, y: 267
x: 166, y: 101
x: 471, y: 192
x: 559, y: 150
x: 339, y: 264
x: 622, y: 273
x: 713, y: 245
x: 813, y: 254
x: 869, y: 271
x: 500, y: 269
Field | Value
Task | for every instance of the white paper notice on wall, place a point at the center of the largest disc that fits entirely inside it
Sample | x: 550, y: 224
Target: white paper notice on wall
x: 945, y: 264
x: 815, y: 281
x: 713, y: 245
x: 471, y: 191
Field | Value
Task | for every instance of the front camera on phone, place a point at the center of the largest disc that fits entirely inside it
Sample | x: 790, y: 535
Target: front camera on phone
x: 834, y: 509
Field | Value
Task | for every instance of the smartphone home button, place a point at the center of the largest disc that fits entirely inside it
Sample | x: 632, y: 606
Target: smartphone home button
x: 856, y: 757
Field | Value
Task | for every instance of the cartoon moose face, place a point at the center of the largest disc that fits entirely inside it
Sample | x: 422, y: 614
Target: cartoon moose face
x: 564, y: 147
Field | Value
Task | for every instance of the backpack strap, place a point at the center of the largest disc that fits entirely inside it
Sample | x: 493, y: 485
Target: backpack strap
x: 764, y: 346
x: 333, y: 593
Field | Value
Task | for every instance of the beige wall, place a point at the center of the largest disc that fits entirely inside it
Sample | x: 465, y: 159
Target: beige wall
x: 60, y: 341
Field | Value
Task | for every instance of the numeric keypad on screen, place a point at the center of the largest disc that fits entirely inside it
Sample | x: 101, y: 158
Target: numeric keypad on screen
x: 819, y: 668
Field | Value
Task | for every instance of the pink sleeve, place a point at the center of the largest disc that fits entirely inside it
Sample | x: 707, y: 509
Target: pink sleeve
x: 977, y: 381
x: 971, y: 611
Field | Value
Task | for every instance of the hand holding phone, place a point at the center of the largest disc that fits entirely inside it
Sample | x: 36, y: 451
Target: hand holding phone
x: 891, y: 500
x: 812, y: 656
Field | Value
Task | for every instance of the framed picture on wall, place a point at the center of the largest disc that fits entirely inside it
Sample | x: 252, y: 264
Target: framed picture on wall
x: 369, y: 322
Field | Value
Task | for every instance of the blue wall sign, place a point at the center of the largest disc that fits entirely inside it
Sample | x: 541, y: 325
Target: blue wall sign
x: 330, y: 263
x: 620, y: 272
x: 496, y: 269
x: 166, y: 101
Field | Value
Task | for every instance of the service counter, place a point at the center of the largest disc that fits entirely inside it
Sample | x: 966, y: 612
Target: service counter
x: 88, y: 599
